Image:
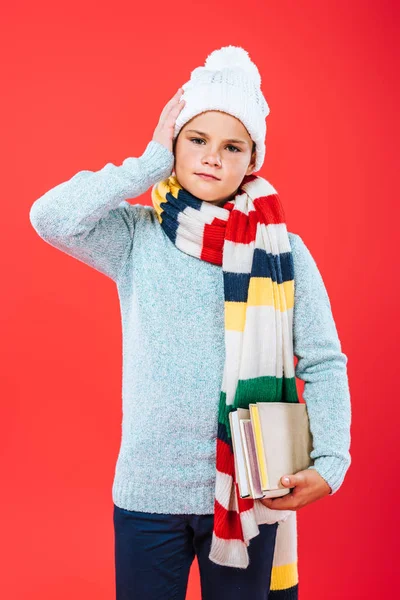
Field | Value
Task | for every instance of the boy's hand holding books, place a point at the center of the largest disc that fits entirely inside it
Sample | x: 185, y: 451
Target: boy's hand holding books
x: 271, y: 441
x: 308, y: 486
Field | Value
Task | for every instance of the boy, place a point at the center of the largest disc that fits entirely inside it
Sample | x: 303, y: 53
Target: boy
x: 173, y: 492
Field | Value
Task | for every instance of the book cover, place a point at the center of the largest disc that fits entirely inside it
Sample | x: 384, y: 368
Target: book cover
x: 286, y: 439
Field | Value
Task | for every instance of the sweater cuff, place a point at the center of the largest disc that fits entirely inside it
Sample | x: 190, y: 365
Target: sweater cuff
x: 157, y: 162
x: 333, y: 469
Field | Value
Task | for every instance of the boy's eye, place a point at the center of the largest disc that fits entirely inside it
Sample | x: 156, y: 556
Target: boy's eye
x: 228, y: 146
x: 196, y: 140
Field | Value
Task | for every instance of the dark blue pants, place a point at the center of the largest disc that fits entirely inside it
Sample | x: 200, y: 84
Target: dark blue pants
x: 154, y: 552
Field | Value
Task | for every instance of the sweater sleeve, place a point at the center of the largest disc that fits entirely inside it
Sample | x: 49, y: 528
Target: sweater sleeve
x: 88, y: 217
x: 323, y: 367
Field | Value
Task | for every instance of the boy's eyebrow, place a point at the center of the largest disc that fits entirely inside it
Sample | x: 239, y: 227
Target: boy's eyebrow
x: 228, y: 140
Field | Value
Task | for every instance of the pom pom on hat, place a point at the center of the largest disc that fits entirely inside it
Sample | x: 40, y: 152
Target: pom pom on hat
x: 232, y: 57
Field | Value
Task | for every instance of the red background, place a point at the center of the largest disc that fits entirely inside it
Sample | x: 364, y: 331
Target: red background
x: 83, y: 84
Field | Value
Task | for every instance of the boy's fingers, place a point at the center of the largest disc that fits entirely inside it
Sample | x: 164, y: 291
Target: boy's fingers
x: 178, y: 106
x: 170, y: 118
x: 280, y: 505
x: 287, y: 502
x: 173, y: 112
x: 172, y: 101
x: 170, y: 107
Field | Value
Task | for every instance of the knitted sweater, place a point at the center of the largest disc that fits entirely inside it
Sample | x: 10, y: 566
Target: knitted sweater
x: 172, y: 312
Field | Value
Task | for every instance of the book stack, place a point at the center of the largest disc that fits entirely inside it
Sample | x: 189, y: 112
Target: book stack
x: 270, y: 440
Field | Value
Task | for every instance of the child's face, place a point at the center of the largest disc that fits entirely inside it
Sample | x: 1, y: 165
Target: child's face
x: 211, y: 152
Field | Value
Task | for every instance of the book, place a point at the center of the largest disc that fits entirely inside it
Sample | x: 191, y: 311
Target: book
x: 250, y: 455
x: 270, y: 440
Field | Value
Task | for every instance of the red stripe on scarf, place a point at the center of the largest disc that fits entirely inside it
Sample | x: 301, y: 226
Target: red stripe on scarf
x: 270, y: 209
x: 241, y: 228
x: 213, y: 241
x: 227, y: 523
x: 224, y: 458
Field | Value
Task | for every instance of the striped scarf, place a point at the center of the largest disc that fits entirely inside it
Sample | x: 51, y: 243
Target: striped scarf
x: 248, y: 237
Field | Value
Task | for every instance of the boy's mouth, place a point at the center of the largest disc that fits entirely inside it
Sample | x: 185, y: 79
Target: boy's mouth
x: 207, y: 177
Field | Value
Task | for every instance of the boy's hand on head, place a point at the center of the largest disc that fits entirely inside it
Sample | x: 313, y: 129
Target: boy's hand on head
x: 308, y: 486
x: 164, y: 132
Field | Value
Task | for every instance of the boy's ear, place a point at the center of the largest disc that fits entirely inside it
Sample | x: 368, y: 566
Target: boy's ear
x: 252, y: 164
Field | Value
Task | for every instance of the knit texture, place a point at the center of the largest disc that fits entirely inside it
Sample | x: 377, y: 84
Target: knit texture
x: 166, y: 461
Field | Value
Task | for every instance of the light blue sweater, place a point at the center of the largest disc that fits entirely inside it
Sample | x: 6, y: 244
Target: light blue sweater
x: 172, y: 310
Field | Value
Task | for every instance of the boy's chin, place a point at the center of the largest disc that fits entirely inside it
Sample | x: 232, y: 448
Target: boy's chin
x: 199, y: 192
x: 205, y: 197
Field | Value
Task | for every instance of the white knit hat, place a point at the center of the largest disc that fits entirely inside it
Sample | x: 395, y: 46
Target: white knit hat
x: 230, y: 82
